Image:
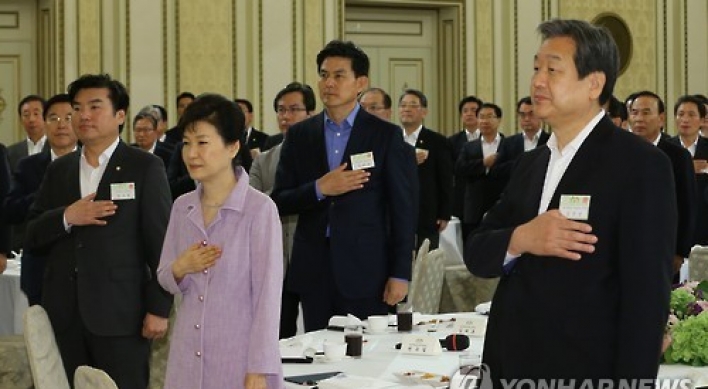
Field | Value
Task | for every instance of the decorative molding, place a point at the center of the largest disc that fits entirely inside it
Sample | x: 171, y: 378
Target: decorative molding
x: 294, y: 36
x: 234, y: 51
x: 260, y: 64
x: 9, y: 20
x: 665, y: 30
x: 128, y: 122
x: 685, y: 47
x: 62, y: 45
x: 165, y: 83
x: 16, y: 60
x: 388, y: 27
x: 178, y: 88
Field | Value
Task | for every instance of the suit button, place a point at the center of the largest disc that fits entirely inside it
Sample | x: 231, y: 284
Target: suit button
x: 206, y: 271
x: 198, y: 354
x: 201, y: 298
x: 197, y: 326
x: 80, y: 246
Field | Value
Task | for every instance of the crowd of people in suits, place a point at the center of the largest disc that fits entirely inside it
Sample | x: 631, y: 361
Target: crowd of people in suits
x: 327, y: 213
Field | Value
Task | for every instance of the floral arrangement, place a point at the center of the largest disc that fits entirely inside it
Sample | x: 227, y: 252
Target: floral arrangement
x: 686, y: 337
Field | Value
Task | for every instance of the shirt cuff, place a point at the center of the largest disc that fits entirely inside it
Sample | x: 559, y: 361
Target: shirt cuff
x: 400, y: 279
x: 318, y: 192
x: 67, y: 226
x: 509, y: 258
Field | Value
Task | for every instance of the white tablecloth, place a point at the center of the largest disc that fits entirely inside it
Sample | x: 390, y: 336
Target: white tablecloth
x: 381, y: 360
x: 13, y: 302
x: 451, y: 242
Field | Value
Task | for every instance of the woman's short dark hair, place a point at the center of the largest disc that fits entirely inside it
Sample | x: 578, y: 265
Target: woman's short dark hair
x: 225, y: 115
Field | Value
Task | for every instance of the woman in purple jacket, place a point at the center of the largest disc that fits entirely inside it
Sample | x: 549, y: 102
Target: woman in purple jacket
x: 223, y: 253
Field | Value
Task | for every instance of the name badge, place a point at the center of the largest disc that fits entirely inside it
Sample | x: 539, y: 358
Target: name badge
x: 123, y: 191
x: 575, y: 207
x: 362, y: 161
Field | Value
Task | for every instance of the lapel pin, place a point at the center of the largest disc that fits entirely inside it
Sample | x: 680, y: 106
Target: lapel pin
x: 118, y: 168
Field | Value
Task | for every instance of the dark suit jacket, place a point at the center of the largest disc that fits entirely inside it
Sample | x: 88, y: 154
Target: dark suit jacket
x: 457, y: 142
x: 17, y: 151
x: 686, y: 194
x: 435, y: 180
x: 25, y: 183
x: 256, y: 139
x: 111, y: 268
x: 173, y: 137
x: 604, y: 315
x: 162, y: 150
x: 371, y: 230
x: 701, y: 232
x: 482, y: 186
x: 511, y: 149
x: 273, y: 141
x: 5, y: 181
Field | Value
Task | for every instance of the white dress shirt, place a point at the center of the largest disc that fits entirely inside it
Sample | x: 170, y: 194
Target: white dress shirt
x: 413, y: 137
x: 531, y: 143
x: 90, y: 176
x: 35, y: 148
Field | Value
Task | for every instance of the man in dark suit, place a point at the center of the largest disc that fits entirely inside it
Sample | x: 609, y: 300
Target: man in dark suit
x: 476, y: 168
x: 31, y: 110
x: 690, y: 112
x: 146, y: 137
x: 530, y: 137
x: 173, y: 136
x: 647, y: 118
x: 61, y: 139
x: 434, y: 159
x: 255, y: 140
x: 468, y: 108
x: 100, y: 217
x: 352, y: 182
x: 583, y: 235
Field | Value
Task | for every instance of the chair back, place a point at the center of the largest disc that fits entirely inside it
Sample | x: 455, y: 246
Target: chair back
x: 417, y: 260
x: 87, y: 377
x: 698, y: 264
x: 427, y: 283
x: 45, y: 361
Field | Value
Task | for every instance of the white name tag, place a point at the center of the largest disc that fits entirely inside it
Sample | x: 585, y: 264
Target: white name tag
x: 470, y: 327
x: 123, y: 191
x: 575, y: 207
x: 420, y: 345
x: 362, y: 161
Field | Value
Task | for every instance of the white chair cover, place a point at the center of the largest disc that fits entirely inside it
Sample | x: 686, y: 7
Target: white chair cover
x: 45, y: 361
x: 87, y: 377
x: 426, y: 286
x: 698, y: 264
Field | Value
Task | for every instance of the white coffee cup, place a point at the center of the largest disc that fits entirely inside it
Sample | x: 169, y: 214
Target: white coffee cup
x: 378, y: 324
x: 335, y: 351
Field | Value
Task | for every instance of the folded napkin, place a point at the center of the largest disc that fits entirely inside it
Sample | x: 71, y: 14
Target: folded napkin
x: 483, y: 308
x: 344, y: 321
x: 298, y: 347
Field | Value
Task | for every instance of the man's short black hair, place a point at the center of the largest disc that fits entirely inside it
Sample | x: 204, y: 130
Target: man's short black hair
x: 245, y: 102
x: 56, y: 99
x: 308, y: 96
x: 469, y: 99
x: 183, y: 95
x: 646, y: 93
x: 28, y: 99
x: 386, y: 97
x: 497, y: 109
x: 117, y: 92
x: 415, y: 92
x: 337, y: 48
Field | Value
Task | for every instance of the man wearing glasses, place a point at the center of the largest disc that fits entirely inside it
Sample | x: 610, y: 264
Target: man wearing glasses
x: 26, y: 179
x: 476, y: 166
x: 376, y: 102
x: 530, y: 137
x: 294, y: 103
